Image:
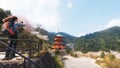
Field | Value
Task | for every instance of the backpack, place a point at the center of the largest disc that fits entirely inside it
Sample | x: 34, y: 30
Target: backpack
x: 7, y: 26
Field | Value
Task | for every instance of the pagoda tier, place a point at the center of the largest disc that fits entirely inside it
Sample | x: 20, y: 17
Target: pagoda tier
x: 58, y: 38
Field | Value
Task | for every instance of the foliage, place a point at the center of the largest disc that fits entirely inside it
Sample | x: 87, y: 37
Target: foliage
x: 102, y: 55
x: 111, y: 56
x: 111, y: 61
x: 26, y: 44
x: 115, y: 64
x: 73, y: 54
x: 3, y: 14
x: 112, y: 64
x: 68, y: 50
x: 59, y: 63
x: 105, y: 40
x: 57, y: 52
x: 40, y: 30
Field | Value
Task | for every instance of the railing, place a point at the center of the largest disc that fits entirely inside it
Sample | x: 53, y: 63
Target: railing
x: 3, y: 65
x: 25, y: 58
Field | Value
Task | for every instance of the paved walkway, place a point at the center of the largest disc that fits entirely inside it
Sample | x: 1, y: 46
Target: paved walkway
x: 82, y: 62
x: 2, y: 55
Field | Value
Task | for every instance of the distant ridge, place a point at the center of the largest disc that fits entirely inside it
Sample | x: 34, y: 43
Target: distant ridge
x: 108, y: 39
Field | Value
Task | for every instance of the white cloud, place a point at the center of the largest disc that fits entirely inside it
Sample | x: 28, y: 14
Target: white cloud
x: 97, y: 28
x: 43, y: 12
x: 81, y: 34
x: 114, y: 22
x: 70, y: 5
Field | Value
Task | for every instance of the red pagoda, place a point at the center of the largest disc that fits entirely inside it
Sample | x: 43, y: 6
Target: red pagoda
x: 58, y: 42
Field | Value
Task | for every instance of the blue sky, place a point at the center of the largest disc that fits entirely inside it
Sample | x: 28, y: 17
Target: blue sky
x: 91, y: 15
x: 76, y: 17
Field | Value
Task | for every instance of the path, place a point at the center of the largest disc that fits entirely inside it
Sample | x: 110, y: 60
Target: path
x: 82, y: 62
x: 2, y: 55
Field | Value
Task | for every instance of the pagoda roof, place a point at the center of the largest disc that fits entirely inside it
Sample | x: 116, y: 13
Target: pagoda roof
x: 59, y: 35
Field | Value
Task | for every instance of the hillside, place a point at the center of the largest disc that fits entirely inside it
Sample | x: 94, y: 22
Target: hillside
x: 105, y: 40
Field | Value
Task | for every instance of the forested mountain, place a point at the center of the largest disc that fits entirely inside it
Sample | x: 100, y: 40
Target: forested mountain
x: 105, y: 40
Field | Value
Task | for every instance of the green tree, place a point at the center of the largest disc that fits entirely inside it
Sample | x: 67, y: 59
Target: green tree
x: 105, y: 40
x: 3, y: 14
x: 41, y: 30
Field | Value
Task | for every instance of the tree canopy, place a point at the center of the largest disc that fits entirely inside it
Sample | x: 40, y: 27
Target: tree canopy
x: 105, y: 40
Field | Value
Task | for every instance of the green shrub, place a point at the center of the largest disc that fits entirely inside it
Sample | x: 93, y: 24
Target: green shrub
x: 73, y: 54
x: 59, y: 63
x: 68, y: 50
x: 111, y: 56
x: 102, y: 55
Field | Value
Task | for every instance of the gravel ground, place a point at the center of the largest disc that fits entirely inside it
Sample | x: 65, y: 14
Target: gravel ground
x: 82, y: 62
